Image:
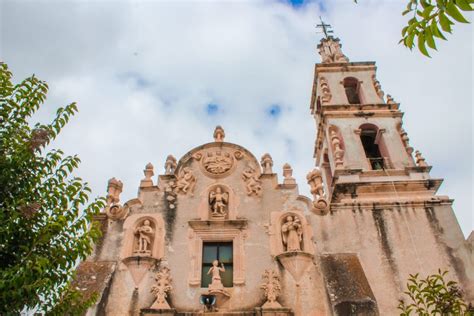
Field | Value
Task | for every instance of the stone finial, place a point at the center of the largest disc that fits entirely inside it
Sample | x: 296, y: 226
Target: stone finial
x: 315, y: 181
x: 272, y: 288
x: 420, y: 161
x: 113, y: 209
x: 330, y: 51
x: 170, y: 165
x: 114, y: 188
x: 288, y: 174
x: 390, y: 99
x: 377, y: 86
x: 161, y: 289
x: 406, y: 141
x: 148, y: 172
x: 267, y: 163
x: 219, y: 134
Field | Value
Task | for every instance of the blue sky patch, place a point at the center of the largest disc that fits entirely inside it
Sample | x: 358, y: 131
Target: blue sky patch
x: 212, y: 109
x: 274, y: 110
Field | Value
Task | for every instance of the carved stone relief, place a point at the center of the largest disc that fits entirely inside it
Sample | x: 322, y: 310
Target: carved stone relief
x: 330, y: 51
x: 338, y: 151
x: 288, y: 174
x: 271, y: 287
x: 186, y: 181
x: 252, y: 182
x: 215, y: 271
x: 218, y: 162
x: 326, y: 95
x: 161, y: 289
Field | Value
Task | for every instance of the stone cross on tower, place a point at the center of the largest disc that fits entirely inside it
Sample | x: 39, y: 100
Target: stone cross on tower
x: 329, y: 47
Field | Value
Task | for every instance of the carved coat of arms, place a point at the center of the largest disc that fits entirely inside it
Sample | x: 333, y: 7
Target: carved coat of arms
x: 217, y: 162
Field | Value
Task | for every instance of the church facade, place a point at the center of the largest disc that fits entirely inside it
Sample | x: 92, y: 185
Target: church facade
x: 220, y: 233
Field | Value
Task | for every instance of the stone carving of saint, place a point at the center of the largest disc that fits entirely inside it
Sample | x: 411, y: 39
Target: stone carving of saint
x: 186, y: 180
x: 145, y: 235
x: 218, y: 201
x: 252, y: 183
x: 292, y: 233
x: 215, y: 271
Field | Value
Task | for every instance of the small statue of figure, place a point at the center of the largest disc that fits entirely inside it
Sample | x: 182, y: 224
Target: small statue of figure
x: 218, y: 201
x: 186, y: 180
x: 271, y: 287
x: 219, y: 134
x: 292, y: 233
x: 145, y: 234
x: 215, y: 270
x: 170, y: 164
x: 161, y: 289
x: 252, y: 183
x: 267, y: 163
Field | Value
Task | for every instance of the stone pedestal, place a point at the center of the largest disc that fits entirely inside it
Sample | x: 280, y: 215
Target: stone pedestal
x: 152, y: 311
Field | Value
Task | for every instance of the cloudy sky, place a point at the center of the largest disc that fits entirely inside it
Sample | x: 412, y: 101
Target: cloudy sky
x: 153, y: 78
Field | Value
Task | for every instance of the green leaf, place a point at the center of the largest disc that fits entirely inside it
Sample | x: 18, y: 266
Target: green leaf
x: 427, y: 11
x: 421, y: 45
x: 464, y: 5
x: 409, y: 40
x: 435, y: 30
x: 444, y: 22
x: 429, y: 39
x: 453, y: 11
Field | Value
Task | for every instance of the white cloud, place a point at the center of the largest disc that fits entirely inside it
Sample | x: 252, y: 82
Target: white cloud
x: 143, y: 73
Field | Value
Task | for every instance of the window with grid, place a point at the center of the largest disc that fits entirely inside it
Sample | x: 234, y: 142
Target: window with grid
x: 222, y: 252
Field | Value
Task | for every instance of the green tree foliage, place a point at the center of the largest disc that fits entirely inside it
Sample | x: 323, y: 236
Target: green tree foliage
x: 431, y: 20
x: 46, y: 225
x: 433, y: 296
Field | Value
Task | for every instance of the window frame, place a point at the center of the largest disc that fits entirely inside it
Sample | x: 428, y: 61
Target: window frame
x: 205, y: 266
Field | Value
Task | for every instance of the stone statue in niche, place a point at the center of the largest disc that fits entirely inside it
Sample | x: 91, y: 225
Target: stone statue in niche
x: 186, y: 181
x: 292, y: 233
x: 144, y: 235
x: 218, y: 201
x: 271, y: 287
x: 170, y: 164
x: 267, y: 163
x: 252, y: 183
x: 161, y: 289
x: 218, y: 162
x: 215, y: 271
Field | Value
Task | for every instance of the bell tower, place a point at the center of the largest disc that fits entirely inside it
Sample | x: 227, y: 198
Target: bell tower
x: 361, y: 147
x: 381, y: 204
